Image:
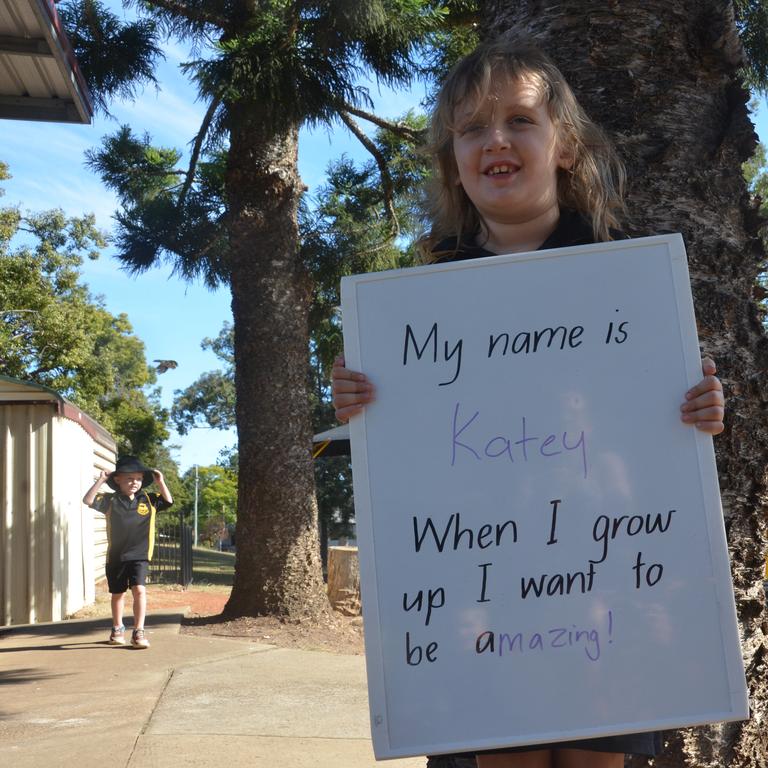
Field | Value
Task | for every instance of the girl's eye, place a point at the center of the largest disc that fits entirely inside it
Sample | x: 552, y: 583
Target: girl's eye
x: 520, y: 120
x: 471, y: 128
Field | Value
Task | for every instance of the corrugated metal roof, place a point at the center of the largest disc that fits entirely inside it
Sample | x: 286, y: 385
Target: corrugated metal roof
x: 39, y: 77
x: 15, y: 392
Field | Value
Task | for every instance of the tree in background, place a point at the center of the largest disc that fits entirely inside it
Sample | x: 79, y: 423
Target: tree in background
x: 263, y: 70
x: 210, y: 400
x: 54, y: 333
x: 345, y: 229
x: 756, y: 175
x: 217, y: 498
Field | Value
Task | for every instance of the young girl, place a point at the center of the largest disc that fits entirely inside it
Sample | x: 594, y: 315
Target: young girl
x: 519, y: 167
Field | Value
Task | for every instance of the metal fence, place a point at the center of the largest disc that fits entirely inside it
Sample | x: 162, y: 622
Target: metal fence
x: 172, y: 559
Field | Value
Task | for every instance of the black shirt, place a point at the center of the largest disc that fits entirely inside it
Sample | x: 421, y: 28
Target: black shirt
x: 572, y: 229
x: 130, y: 524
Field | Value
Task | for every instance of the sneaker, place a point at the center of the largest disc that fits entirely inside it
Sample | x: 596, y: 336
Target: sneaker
x: 117, y: 636
x: 138, y: 640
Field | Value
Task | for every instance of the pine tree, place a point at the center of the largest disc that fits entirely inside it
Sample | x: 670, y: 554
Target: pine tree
x: 264, y: 69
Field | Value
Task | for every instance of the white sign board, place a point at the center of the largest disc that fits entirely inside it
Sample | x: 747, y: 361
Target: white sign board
x: 542, y: 550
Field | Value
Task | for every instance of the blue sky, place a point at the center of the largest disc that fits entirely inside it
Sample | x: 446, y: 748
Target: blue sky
x: 46, y: 161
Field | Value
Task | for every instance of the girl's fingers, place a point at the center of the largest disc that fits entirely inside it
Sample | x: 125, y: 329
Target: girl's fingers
x: 351, y: 390
x: 715, y: 413
x: 709, y: 398
x: 343, y: 399
x: 705, y: 403
x: 710, y: 427
x: 344, y: 414
x: 707, y: 384
x: 708, y: 366
x: 344, y: 374
x: 344, y: 386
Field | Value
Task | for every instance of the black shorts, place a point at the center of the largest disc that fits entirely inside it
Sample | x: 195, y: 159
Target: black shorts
x: 131, y: 573
x: 647, y: 743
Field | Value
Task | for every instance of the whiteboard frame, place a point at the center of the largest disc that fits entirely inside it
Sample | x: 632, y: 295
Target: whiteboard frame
x: 375, y: 663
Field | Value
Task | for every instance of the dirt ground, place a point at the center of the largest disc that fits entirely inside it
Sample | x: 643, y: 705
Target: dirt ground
x: 203, y: 605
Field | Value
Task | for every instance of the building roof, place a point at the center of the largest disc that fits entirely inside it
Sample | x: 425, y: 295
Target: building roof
x: 18, y: 392
x: 332, y: 442
x: 39, y: 76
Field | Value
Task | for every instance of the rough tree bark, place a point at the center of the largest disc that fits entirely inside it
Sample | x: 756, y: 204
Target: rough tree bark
x: 662, y: 78
x: 279, y: 573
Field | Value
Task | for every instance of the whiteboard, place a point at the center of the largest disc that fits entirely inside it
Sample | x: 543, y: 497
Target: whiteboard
x: 542, y: 549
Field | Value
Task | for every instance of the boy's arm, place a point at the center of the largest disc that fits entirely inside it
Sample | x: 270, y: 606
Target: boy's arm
x: 160, y: 480
x: 94, y: 489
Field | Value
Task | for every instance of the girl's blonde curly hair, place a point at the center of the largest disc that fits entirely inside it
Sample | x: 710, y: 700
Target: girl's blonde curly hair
x: 593, y: 185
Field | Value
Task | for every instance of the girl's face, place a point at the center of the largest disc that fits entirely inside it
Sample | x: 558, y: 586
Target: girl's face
x: 507, y: 153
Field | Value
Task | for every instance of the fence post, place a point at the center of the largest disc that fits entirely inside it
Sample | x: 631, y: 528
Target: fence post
x: 185, y: 571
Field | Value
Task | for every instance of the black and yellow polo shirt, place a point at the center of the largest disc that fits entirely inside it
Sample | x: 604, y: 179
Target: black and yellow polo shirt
x: 130, y: 524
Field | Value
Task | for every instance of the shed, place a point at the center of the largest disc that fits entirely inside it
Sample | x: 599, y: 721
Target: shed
x: 39, y: 76
x: 52, y: 547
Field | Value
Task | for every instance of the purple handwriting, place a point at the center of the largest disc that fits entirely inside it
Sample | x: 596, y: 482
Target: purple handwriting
x: 466, y: 442
x: 520, y: 643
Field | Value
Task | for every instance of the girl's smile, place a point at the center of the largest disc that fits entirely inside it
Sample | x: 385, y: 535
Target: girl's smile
x: 508, y: 159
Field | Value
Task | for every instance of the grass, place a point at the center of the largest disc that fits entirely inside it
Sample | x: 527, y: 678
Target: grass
x: 210, y: 566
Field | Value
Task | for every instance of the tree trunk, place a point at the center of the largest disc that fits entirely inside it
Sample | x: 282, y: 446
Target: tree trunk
x: 661, y: 77
x: 278, y: 556
x: 344, y: 580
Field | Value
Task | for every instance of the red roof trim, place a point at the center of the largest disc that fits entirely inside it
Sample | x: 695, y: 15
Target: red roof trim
x: 93, y: 428
x: 53, y: 16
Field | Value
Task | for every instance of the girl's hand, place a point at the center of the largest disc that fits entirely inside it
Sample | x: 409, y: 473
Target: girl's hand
x: 705, y: 403
x: 158, y: 475
x: 351, y: 390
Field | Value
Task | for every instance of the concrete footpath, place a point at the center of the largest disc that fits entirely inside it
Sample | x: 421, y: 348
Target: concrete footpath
x: 68, y: 698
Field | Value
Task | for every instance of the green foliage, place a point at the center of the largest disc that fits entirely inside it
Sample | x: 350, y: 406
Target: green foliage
x: 756, y: 174
x: 159, y: 457
x: 114, y: 58
x: 752, y: 23
x: 457, y: 37
x: 211, y: 399
x: 217, y: 495
x: 349, y: 230
x: 54, y: 333
x: 271, y: 67
x: 274, y: 64
x: 323, y: 49
x: 154, y: 223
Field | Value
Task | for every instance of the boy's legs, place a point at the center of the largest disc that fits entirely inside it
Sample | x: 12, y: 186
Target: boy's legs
x: 118, y: 606
x: 118, y: 583
x: 139, y: 593
x: 138, y: 579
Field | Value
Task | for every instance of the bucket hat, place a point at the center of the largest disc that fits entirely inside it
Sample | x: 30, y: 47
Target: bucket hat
x: 130, y: 464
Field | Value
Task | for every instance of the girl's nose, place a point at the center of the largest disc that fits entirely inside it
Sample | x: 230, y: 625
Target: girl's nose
x: 495, y: 139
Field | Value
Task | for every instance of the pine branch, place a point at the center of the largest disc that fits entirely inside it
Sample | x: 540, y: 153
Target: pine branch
x: 191, y: 14
x: 399, y: 128
x: 197, y: 147
x: 386, y: 180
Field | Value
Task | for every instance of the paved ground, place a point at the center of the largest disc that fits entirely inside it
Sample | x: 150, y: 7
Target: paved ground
x: 67, y: 698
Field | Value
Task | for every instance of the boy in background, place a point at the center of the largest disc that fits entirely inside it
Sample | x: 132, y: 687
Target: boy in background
x: 130, y: 513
